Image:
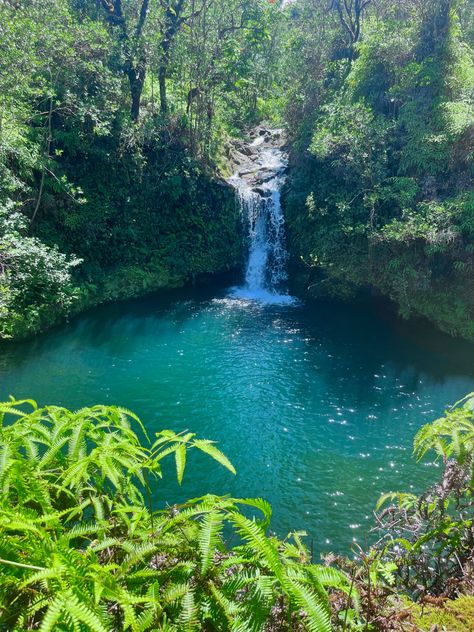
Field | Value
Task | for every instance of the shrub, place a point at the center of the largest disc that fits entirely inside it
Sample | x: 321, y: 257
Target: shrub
x: 36, y: 286
x: 83, y: 548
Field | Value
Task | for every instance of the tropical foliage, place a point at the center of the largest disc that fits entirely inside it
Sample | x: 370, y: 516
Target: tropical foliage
x: 83, y: 545
x: 435, y: 531
x: 113, y: 117
x: 420, y: 574
x: 381, y: 192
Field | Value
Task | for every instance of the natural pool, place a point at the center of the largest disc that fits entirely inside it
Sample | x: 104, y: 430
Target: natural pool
x: 316, y: 405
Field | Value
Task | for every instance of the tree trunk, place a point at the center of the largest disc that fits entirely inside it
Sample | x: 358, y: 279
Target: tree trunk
x: 162, y: 82
x: 49, y: 140
x: 136, y: 88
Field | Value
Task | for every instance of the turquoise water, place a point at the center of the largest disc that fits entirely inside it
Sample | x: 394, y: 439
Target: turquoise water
x: 316, y: 405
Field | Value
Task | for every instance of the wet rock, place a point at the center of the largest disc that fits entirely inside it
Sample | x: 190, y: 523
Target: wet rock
x: 238, y: 157
x: 264, y: 176
x: 247, y: 150
x: 262, y: 192
x: 241, y: 156
x: 253, y: 161
x: 246, y: 172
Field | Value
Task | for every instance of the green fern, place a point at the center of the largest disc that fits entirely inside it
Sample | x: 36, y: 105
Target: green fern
x: 209, y: 538
x: 81, y: 549
x: 451, y: 436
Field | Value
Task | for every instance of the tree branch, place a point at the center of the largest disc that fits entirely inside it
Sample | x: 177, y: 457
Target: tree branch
x: 142, y: 18
x: 48, y: 149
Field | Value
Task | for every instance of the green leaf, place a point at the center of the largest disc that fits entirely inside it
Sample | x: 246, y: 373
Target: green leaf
x: 209, y: 448
x: 209, y: 538
x: 180, y: 459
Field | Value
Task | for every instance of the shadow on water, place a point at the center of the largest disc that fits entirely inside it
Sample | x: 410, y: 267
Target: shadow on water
x: 368, y: 336
x: 358, y: 341
x: 113, y: 326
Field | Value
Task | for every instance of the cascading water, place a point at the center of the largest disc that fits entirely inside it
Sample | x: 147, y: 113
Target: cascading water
x: 258, y: 182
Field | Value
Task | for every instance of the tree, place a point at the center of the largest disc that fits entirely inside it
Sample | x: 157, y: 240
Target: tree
x: 217, y: 59
x: 170, y: 25
x: 350, y: 14
x: 132, y: 47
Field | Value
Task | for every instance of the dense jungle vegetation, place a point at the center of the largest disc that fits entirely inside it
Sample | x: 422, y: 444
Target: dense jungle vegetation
x: 115, y: 118
x: 381, y: 112
x: 112, y: 120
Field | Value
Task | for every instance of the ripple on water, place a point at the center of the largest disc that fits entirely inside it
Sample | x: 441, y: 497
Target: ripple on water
x: 294, y: 429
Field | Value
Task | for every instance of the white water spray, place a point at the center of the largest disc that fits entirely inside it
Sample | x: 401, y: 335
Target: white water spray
x: 258, y: 184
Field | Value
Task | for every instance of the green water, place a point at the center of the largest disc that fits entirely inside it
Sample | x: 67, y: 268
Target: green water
x: 315, y: 405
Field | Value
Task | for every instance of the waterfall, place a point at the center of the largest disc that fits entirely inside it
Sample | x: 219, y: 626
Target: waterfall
x: 258, y: 183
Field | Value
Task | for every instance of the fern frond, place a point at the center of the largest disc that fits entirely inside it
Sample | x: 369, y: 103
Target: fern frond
x: 187, y: 617
x: 211, y: 526
x: 209, y: 448
x: 180, y: 459
x: 137, y: 553
x: 175, y: 592
x: 53, y: 614
x: 260, y: 504
x: 317, y: 616
x: 255, y: 536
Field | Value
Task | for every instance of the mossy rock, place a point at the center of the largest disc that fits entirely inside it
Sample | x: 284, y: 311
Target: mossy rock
x: 452, y: 616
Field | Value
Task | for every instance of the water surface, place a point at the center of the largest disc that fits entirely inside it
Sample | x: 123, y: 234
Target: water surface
x: 316, y: 404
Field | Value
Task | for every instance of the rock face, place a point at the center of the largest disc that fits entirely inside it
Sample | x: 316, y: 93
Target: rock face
x: 244, y: 157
